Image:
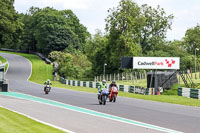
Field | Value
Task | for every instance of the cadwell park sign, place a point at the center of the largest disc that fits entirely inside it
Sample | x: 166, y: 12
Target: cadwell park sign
x: 156, y: 63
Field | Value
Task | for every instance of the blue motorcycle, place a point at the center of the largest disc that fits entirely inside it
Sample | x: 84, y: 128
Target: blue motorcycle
x: 102, y: 96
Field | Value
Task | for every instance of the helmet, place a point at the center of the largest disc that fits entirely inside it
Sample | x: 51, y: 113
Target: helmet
x: 113, y: 81
x: 48, y: 80
x: 104, y: 81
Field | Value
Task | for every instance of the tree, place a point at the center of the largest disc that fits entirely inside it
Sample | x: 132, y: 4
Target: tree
x: 72, y: 65
x: 96, y: 51
x: 28, y: 39
x: 10, y: 25
x: 155, y: 26
x: 75, y: 25
x: 134, y: 30
x: 123, y: 25
x: 192, y: 39
x: 49, y: 30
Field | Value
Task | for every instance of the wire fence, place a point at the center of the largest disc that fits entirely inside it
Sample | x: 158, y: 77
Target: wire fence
x: 140, y: 78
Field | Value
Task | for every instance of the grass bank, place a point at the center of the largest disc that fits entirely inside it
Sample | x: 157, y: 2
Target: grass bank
x: 11, y: 122
x: 42, y: 71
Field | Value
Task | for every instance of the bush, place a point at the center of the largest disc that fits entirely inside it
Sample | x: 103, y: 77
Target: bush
x: 172, y: 91
x: 72, y: 66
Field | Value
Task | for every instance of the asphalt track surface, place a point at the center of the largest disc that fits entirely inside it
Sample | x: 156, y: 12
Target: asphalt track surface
x: 176, y: 117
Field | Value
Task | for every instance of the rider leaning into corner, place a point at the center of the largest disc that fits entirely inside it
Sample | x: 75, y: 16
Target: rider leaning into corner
x: 112, y: 84
x: 101, y: 86
x: 48, y: 82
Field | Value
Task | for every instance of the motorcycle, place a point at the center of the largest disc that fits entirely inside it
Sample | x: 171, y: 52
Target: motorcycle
x: 102, y: 97
x: 47, y: 89
x: 113, y: 94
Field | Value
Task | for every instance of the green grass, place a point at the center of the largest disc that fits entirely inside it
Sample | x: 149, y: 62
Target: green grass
x: 42, y: 72
x: 11, y: 122
x: 164, y: 98
x: 4, y: 61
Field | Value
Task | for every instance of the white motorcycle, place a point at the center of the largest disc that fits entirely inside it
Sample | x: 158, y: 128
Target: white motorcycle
x: 47, y: 89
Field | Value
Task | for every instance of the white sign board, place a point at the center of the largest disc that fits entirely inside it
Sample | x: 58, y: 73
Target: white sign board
x: 156, y: 63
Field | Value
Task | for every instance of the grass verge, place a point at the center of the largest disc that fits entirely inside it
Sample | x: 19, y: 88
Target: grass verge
x: 11, y: 122
x: 42, y: 72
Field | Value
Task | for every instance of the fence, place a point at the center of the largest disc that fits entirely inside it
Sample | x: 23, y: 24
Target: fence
x: 123, y: 88
x: 121, y: 76
x: 140, y: 78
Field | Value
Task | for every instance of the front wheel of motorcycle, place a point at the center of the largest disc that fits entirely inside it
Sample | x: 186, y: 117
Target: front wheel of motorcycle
x: 110, y: 98
x: 114, y: 98
x: 46, y: 92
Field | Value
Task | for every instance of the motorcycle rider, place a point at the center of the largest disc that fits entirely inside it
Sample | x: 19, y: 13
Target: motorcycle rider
x: 111, y: 85
x: 48, y: 82
x: 101, y: 86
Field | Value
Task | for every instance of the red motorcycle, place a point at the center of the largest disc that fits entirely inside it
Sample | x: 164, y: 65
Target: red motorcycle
x: 113, y: 94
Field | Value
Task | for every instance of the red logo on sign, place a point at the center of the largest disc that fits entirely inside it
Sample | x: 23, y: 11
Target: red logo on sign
x: 169, y: 63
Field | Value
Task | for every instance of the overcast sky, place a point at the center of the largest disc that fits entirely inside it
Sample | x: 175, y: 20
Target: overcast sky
x: 92, y: 13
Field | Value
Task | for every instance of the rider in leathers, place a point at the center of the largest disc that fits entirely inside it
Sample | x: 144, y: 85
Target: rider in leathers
x: 48, y: 82
x: 111, y: 85
x: 103, y: 85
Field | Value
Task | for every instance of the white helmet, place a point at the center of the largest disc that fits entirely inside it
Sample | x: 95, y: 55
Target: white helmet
x: 104, y: 81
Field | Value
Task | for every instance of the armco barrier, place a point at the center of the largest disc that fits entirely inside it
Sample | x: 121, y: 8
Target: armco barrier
x: 73, y: 83
x: 189, y: 92
x: 121, y: 87
x: 124, y: 88
x: 84, y: 83
x: 69, y: 82
x: 97, y: 84
x: 91, y: 84
x: 79, y: 83
x: 179, y: 91
x: 132, y: 89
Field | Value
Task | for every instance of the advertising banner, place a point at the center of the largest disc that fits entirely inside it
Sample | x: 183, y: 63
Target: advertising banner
x: 156, y: 63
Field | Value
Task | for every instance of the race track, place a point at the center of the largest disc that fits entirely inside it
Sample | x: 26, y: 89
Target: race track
x: 171, y: 116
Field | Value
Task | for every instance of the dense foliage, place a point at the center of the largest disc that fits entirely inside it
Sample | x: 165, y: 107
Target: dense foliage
x: 131, y: 30
x: 10, y: 25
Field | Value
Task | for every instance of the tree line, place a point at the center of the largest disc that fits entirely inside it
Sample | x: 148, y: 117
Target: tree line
x: 131, y: 30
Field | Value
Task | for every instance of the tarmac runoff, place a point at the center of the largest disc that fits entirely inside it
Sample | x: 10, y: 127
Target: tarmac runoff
x: 86, y: 111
